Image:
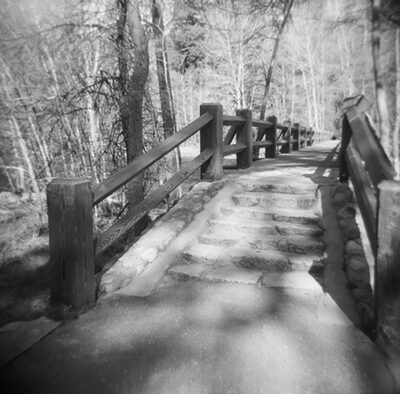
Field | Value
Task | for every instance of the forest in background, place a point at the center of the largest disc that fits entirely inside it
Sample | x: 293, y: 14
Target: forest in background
x: 88, y: 85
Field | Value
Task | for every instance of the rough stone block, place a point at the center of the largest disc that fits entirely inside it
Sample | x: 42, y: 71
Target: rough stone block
x: 341, y: 199
x: 349, y: 229
x: 363, y: 295
x: 347, y: 212
x: 352, y: 248
x: 358, y: 272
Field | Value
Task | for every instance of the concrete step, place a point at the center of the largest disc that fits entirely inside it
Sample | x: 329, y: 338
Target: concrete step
x: 293, y: 244
x: 278, y: 214
x: 251, y: 258
x: 294, y: 280
x: 275, y: 200
x: 265, y: 227
x: 278, y: 187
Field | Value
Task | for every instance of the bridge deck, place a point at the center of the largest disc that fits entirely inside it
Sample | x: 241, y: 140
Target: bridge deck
x: 245, y: 300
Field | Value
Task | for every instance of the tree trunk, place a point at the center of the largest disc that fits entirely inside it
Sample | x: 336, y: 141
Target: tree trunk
x: 136, y: 92
x: 381, y: 99
x: 167, y: 112
x: 396, y: 131
x: 268, y: 72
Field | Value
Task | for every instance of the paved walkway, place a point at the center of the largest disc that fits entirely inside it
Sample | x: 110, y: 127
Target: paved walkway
x: 225, y: 333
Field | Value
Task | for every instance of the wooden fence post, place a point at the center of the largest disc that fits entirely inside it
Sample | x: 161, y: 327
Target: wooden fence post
x: 296, y: 136
x: 211, y: 137
x: 301, y: 136
x: 245, y: 136
x: 310, y: 134
x: 346, y: 135
x: 259, y: 137
x: 272, y: 135
x: 287, y: 146
x: 69, y: 203
x: 387, y: 268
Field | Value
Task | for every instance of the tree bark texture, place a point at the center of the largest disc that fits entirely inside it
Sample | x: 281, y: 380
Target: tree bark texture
x: 136, y: 93
x: 268, y: 72
x: 166, y: 101
x: 380, y: 93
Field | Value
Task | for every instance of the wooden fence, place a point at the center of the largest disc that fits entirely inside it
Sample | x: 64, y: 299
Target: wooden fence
x: 70, y: 201
x: 378, y: 195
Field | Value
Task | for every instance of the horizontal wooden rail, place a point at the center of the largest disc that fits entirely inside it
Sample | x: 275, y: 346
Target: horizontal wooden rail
x: 261, y: 123
x: 378, y: 164
x: 235, y: 148
x: 281, y: 126
x: 105, y: 239
x: 262, y: 144
x: 364, y: 192
x: 230, y: 135
x: 364, y: 161
x: 233, y: 120
x: 125, y: 174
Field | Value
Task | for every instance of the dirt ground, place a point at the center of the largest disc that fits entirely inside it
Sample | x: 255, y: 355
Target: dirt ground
x: 24, y: 258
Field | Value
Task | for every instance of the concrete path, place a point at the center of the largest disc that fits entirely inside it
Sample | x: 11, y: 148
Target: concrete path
x: 247, y: 328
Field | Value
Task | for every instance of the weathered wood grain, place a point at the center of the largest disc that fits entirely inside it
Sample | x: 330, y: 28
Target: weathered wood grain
x: 229, y: 120
x: 296, y: 136
x: 108, y: 237
x: 272, y: 135
x: 124, y: 175
x: 261, y: 123
x: 230, y: 135
x: 287, y: 146
x: 211, y: 137
x: 245, y: 137
x: 378, y: 164
x: 346, y: 136
x: 387, y: 278
x: 280, y: 126
x: 365, y: 195
x: 262, y: 144
x: 234, y: 148
x: 69, y: 203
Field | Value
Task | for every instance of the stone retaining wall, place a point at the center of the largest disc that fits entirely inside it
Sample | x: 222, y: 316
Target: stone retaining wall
x: 355, y: 262
x: 158, y: 237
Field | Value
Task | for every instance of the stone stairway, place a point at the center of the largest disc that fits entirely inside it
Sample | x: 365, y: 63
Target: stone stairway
x: 269, y: 235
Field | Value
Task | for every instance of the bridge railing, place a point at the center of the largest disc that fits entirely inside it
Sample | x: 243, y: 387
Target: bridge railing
x: 70, y: 201
x: 364, y: 160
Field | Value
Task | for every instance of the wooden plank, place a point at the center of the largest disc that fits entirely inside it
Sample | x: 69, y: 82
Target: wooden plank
x: 287, y: 147
x: 260, y: 135
x: 378, y: 164
x: 280, y: 126
x: 296, y: 136
x: 364, y: 192
x: 245, y: 137
x: 234, y: 148
x: 387, y: 278
x: 346, y: 135
x: 152, y: 200
x: 310, y: 134
x: 302, y: 139
x: 211, y: 137
x: 125, y: 174
x: 69, y: 203
x: 261, y: 123
x: 229, y: 120
x: 230, y: 135
x: 262, y: 144
x: 272, y: 135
